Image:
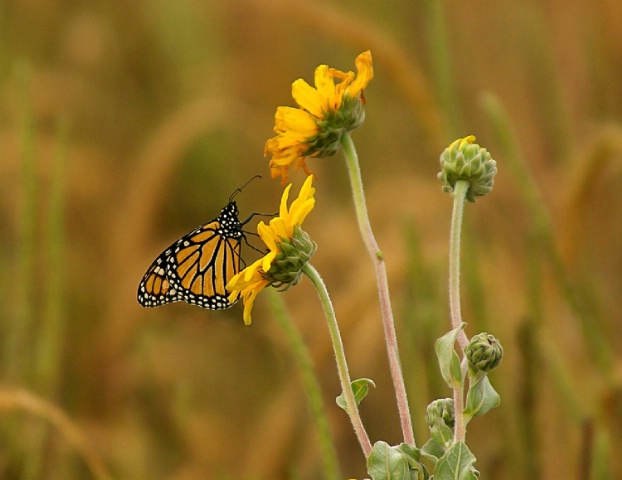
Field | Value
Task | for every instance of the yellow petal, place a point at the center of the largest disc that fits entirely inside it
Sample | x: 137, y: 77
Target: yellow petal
x: 267, y: 235
x: 345, y: 79
x: 308, y: 97
x: 284, y: 197
x: 302, y: 212
x: 295, y: 123
x: 248, y: 306
x: 325, y: 84
x: 267, y: 261
x: 280, y: 227
x: 365, y: 72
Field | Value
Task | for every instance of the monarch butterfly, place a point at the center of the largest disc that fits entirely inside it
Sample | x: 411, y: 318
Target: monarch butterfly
x: 196, y: 268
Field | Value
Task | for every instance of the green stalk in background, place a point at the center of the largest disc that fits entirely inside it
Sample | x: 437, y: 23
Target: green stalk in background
x: 52, y: 327
x: 21, y: 328
x: 313, y: 391
x: 439, y: 56
x: 600, y: 349
x: 48, y: 352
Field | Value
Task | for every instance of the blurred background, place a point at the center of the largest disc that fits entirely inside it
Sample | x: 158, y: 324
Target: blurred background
x: 123, y: 125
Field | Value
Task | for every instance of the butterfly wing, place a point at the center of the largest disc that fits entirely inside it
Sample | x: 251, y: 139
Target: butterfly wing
x: 197, y: 267
x: 155, y: 288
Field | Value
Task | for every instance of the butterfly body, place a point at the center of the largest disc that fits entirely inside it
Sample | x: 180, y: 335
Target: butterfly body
x: 196, y: 268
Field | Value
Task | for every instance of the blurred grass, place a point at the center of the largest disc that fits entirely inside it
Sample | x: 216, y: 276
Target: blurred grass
x: 124, y: 125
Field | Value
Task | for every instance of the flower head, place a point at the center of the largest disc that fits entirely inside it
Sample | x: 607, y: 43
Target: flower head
x: 289, y: 248
x: 327, y: 111
x: 466, y: 160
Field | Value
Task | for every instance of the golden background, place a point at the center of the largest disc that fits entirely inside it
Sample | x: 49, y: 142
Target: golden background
x: 123, y: 125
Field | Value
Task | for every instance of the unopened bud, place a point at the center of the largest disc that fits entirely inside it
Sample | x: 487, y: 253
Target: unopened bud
x: 467, y: 161
x: 484, y: 352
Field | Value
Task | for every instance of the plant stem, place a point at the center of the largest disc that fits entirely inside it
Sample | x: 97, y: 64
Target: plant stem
x: 375, y: 253
x: 311, y: 385
x: 459, y: 195
x: 340, y: 357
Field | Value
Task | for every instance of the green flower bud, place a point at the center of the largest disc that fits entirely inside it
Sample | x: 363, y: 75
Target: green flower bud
x: 465, y: 160
x: 294, y: 253
x: 484, y: 352
x: 440, y: 418
x: 332, y: 126
x: 440, y: 410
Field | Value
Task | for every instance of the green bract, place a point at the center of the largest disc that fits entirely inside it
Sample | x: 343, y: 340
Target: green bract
x: 332, y: 126
x: 294, y: 253
x: 467, y: 161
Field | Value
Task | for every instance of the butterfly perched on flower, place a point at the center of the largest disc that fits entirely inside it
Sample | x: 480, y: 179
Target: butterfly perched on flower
x: 196, y: 268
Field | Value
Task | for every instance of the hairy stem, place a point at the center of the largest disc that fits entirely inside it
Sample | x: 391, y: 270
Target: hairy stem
x: 459, y: 195
x: 340, y: 357
x: 383, y: 287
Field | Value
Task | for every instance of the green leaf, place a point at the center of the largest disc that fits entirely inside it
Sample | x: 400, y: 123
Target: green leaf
x: 448, y: 358
x: 482, y: 397
x: 442, y: 434
x: 432, y: 451
x: 360, y: 388
x: 412, y: 456
x: 456, y: 464
x: 395, y: 463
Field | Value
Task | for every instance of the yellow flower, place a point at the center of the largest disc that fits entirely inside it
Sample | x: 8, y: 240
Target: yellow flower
x: 289, y: 249
x: 327, y: 111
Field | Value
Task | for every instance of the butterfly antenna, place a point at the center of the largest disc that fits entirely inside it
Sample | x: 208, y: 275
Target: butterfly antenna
x: 238, y: 190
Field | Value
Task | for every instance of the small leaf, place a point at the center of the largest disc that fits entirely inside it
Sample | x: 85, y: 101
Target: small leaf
x: 360, y: 388
x: 456, y: 464
x: 441, y: 433
x: 432, y: 451
x: 448, y: 358
x: 395, y: 463
x: 411, y: 454
x: 481, y: 398
x: 387, y: 463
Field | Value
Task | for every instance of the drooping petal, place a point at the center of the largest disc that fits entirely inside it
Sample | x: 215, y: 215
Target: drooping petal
x: 295, y: 123
x: 345, y: 79
x: 365, y: 73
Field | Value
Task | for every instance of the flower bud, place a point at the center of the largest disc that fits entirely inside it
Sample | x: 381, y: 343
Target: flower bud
x: 440, y: 418
x: 465, y: 160
x: 440, y: 410
x: 293, y: 254
x: 484, y: 352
